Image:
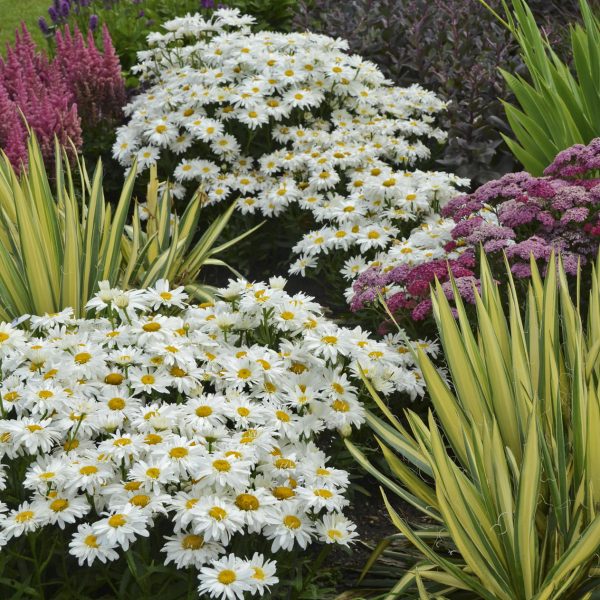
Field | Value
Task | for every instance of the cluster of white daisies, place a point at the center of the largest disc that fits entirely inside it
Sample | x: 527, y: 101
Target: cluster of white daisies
x: 268, y: 117
x: 275, y: 119
x: 203, y: 416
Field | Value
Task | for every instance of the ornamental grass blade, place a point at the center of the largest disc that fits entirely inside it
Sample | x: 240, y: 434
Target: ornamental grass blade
x: 446, y: 406
x: 466, y: 373
x: 580, y: 552
x: 467, y: 580
x: 411, y: 480
x: 526, y: 559
x: 34, y: 255
x: 389, y: 483
x: 112, y: 256
x: 403, y: 444
x: 92, y: 235
x: 70, y: 290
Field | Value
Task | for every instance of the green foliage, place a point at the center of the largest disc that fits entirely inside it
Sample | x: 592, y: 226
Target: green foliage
x: 28, y: 13
x: 167, y: 249
x: 55, y: 247
x: 558, y: 104
x: 506, y: 466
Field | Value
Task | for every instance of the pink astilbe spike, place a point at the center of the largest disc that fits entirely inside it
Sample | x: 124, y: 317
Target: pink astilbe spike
x: 39, y: 90
x: 94, y: 77
x: 80, y: 87
x: 13, y: 133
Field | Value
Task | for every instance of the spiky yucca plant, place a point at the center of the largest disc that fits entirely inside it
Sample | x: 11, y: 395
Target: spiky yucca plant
x: 56, y: 243
x: 506, y: 467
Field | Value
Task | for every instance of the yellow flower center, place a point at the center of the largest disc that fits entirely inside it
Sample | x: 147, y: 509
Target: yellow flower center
x: 217, y: 513
x: 114, y: 379
x: 243, y: 411
x: 340, y: 406
x: 45, y: 394
x: 70, y: 445
x: 91, y: 541
x: 222, y: 465
x: 24, y: 516
x: 153, y: 473
x: 147, y: 379
x: 177, y: 372
x: 166, y: 295
x: 247, y: 502
x: 283, y: 492
x: 116, y: 404
x: 117, y: 521
x: 88, y: 470
x: 204, y: 411
x: 141, y: 500
x: 59, y: 505
x: 329, y: 339
x: 244, y: 373
x: 282, y: 416
x: 82, y: 358
x: 152, y: 439
x: 292, y: 522
x: 132, y: 486
x: 285, y: 463
x: 3, y: 336
x: 152, y: 326
x: 323, y: 494
x: 192, y: 542
x: 298, y: 368
x: 226, y: 577
x: 178, y: 452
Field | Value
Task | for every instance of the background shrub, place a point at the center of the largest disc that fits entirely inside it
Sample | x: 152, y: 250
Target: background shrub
x: 452, y: 47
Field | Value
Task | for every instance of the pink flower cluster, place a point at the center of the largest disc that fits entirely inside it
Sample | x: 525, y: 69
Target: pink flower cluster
x: 93, y: 77
x: 51, y: 95
x: 518, y: 215
x: 414, y: 283
x: 576, y: 160
x: 523, y: 216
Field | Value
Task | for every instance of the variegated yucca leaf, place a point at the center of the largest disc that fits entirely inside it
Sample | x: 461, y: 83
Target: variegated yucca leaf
x: 54, y: 247
x: 507, y: 463
x: 168, y: 248
x: 59, y: 239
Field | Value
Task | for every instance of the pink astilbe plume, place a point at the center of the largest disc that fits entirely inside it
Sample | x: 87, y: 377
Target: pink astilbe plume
x: 39, y: 90
x: 93, y: 77
x: 13, y: 132
x: 80, y: 87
